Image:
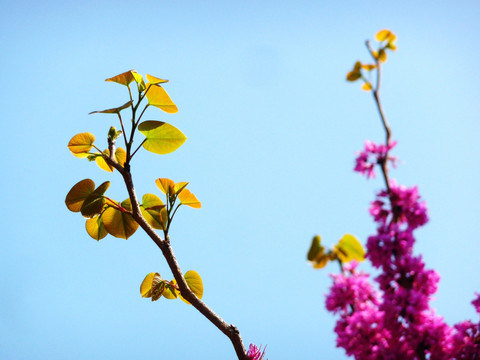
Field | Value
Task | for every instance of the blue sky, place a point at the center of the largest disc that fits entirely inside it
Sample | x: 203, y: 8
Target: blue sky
x: 272, y: 130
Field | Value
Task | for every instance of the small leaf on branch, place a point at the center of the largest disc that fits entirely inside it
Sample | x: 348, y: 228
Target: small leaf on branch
x: 81, y: 144
x: 146, y: 286
x: 123, y: 78
x: 385, y: 35
x: 367, y: 86
x: 96, y: 228
x: 154, y: 80
x: 118, y: 223
x: 158, y: 97
x: 120, y: 156
x: 113, y: 110
x: 349, y: 248
x: 94, y: 203
x: 194, y: 282
x: 161, y: 138
x: 166, y: 186
x: 154, y: 211
x: 187, y: 198
x: 78, y: 193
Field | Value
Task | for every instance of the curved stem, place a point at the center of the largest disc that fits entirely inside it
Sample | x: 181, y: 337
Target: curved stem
x: 229, y: 330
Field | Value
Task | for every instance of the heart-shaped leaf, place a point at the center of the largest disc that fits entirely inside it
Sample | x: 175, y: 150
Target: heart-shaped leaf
x: 94, y: 203
x: 162, y: 138
x: 118, y: 223
x: 81, y: 144
x: 78, y: 193
x: 158, y: 97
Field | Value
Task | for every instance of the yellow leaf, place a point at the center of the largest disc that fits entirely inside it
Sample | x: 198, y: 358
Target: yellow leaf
x: 78, y: 193
x: 158, y: 97
x: 367, y: 86
x: 139, y: 80
x: 123, y: 78
x: 353, y: 76
x: 162, y: 138
x: 187, y: 198
x: 180, y: 186
x: 369, y: 67
x: 154, y: 211
x: 170, y: 291
x: 385, y: 35
x: 95, y: 228
x: 349, y: 248
x: 81, y: 144
x: 166, y: 186
x: 194, y: 282
x: 381, y: 55
x: 120, y: 156
x: 154, y: 80
x: 113, y: 110
x: 118, y: 223
x: 146, y: 286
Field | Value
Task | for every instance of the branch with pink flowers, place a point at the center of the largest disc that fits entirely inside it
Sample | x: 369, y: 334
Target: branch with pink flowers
x: 392, y: 319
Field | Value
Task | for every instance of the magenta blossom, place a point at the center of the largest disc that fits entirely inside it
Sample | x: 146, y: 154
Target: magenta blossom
x: 372, y: 155
x: 255, y: 353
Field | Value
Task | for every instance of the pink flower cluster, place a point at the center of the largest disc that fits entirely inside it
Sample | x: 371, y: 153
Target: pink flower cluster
x: 372, y: 155
x: 255, y: 353
x: 395, y: 320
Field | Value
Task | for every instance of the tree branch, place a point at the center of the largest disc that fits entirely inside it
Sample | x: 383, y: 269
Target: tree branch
x: 229, y: 330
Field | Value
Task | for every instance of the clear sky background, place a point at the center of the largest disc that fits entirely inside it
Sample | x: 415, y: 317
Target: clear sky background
x: 272, y: 130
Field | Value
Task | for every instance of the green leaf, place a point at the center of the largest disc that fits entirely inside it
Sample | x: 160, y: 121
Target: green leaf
x: 158, y: 97
x: 194, y: 282
x: 81, y: 144
x: 139, y: 80
x: 349, y: 248
x: 94, y: 203
x: 118, y: 223
x: 162, y: 138
x: 95, y: 228
x: 154, y: 211
x: 113, y: 110
x: 78, y: 193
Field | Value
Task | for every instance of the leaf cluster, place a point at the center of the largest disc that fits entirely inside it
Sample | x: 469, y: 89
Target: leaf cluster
x: 386, y: 42
x: 154, y: 287
x: 347, y: 249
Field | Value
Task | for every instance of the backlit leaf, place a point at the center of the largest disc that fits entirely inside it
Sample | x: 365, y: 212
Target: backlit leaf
x: 154, y: 211
x: 385, y: 35
x: 349, y: 248
x: 78, y: 193
x: 194, y: 282
x: 162, y: 138
x: 95, y: 228
x: 180, y: 186
x: 123, y: 78
x: 154, y: 80
x: 118, y: 223
x: 165, y: 185
x: 367, y: 86
x: 170, y: 291
x: 81, y: 144
x: 369, y: 67
x: 146, y: 286
x: 113, y: 110
x: 158, y: 97
x: 187, y: 198
x: 139, y: 80
x: 94, y: 203
x: 120, y: 156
